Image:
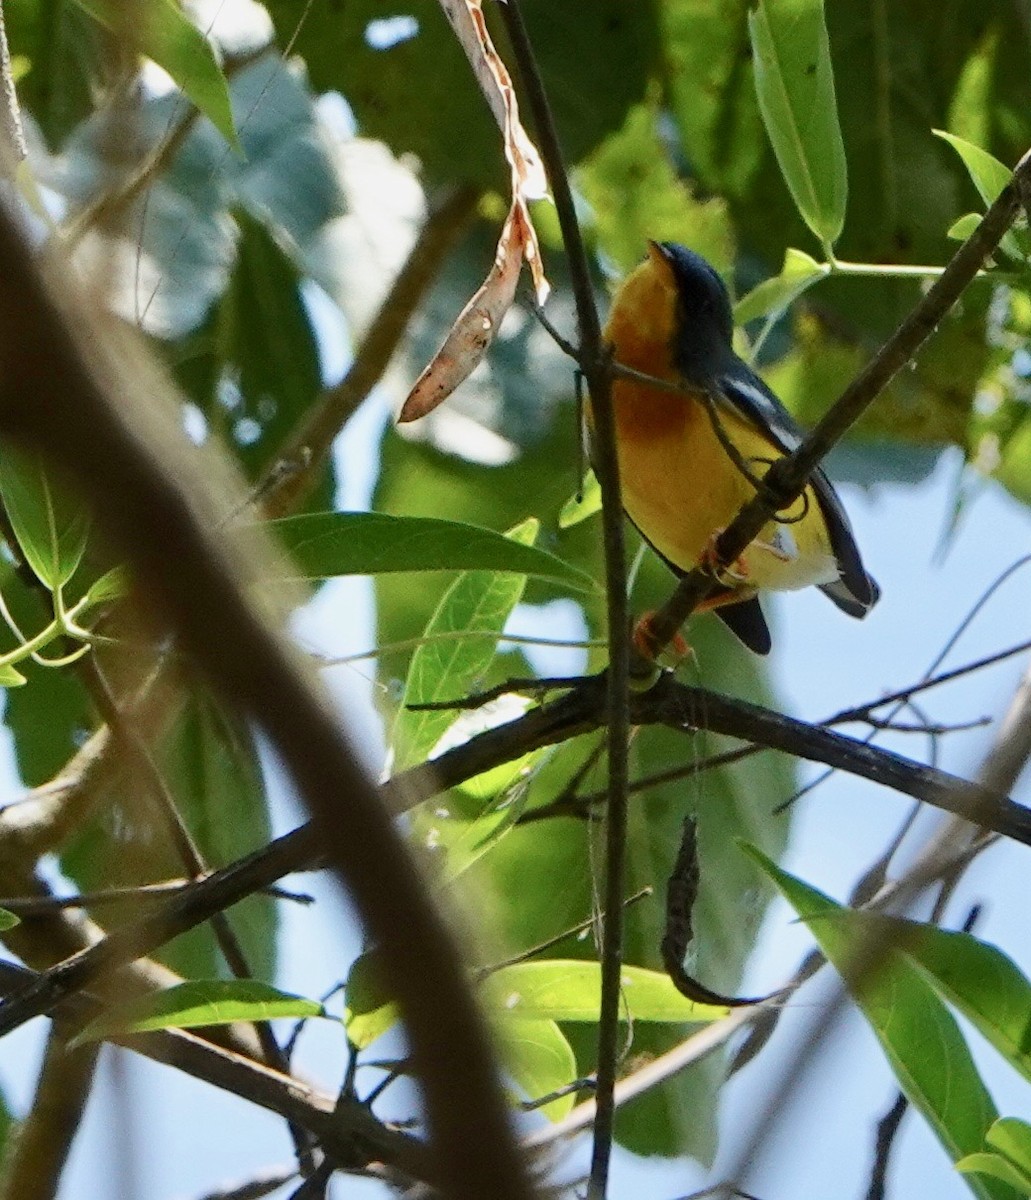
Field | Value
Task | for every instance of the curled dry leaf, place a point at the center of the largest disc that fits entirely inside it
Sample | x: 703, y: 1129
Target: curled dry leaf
x: 474, y: 330
x: 475, y: 327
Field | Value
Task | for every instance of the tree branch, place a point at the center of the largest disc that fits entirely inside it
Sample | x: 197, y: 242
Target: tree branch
x: 345, y: 1127
x: 71, y: 388
x: 669, y: 703
x: 596, y: 363
x: 42, y: 1142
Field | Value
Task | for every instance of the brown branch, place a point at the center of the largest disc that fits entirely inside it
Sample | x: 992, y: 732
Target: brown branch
x: 595, y: 362
x: 344, y: 1127
x: 41, y: 1143
x: 70, y: 389
x: 787, y: 478
x: 681, y: 708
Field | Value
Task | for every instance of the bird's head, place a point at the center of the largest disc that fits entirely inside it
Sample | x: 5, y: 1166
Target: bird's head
x: 704, y: 323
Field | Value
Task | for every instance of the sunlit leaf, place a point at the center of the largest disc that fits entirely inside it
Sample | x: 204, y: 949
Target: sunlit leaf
x: 799, y: 272
x: 1011, y: 1137
x: 199, y: 1003
x: 963, y: 227
x: 636, y: 193
x: 794, y: 81
x: 112, y: 585
x: 8, y: 920
x: 570, y: 990
x: 50, y: 526
x: 441, y: 670
x: 368, y: 1013
x: 983, y: 983
x: 989, y: 176
x: 539, y: 1059
x: 167, y: 36
x: 328, y: 544
x: 583, y: 505
x: 997, y: 1167
x: 908, y: 1019
x: 177, y: 45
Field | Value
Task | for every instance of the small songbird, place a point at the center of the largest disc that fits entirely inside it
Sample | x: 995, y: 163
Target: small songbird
x: 671, y: 320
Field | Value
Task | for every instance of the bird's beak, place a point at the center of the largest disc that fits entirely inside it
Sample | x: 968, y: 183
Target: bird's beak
x: 659, y: 255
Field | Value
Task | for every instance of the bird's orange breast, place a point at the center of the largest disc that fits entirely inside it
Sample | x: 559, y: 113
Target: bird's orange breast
x: 680, y: 487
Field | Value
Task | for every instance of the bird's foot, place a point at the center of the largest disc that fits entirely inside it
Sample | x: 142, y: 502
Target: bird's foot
x: 646, y: 644
x: 734, y: 576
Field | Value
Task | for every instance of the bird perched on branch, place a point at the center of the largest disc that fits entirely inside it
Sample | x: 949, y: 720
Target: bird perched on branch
x: 694, y: 445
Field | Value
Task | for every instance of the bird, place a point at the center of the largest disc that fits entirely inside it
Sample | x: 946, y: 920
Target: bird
x: 671, y: 321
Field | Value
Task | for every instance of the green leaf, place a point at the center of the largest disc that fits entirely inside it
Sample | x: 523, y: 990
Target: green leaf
x: 253, y: 368
x: 369, y: 1012
x: 208, y: 760
x: 166, y: 35
x: 919, y: 1035
x: 997, y: 1167
x: 10, y: 677
x: 478, y: 601
x: 794, y: 82
x: 1012, y: 1138
x: 578, y: 508
x: 711, y: 91
x: 8, y: 920
x: 50, y: 526
x: 417, y: 93
x: 570, y: 990
x: 1012, y: 1164
x: 538, y: 1057
x: 635, y: 193
x: 495, y: 798
x: 199, y: 1003
x: 799, y: 272
x: 112, y: 585
x: 359, y: 543
x: 989, y: 176
x: 963, y: 227
x: 982, y: 982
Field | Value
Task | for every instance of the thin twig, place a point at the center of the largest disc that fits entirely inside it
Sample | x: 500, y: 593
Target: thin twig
x: 34, y: 906
x: 595, y: 362
x: 348, y: 1131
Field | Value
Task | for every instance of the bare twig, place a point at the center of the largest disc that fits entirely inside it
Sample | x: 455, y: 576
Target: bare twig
x: 595, y: 362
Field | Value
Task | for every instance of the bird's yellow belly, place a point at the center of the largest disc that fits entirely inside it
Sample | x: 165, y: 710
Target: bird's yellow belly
x: 681, y: 489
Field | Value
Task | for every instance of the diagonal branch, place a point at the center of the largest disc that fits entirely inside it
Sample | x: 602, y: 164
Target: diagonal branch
x: 787, y: 478
x: 71, y: 387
